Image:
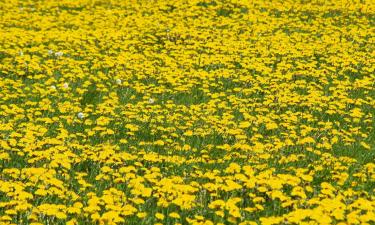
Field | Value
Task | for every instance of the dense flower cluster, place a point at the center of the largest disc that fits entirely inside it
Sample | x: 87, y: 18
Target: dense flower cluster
x: 187, y: 112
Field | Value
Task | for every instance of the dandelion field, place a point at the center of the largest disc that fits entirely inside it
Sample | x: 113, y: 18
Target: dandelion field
x: 187, y: 112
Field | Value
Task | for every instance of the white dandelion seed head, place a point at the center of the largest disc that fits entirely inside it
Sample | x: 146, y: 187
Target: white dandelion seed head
x: 50, y: 52
x: 53, y: 87
x: 80, y: 115
x: 59, y: 54
x: 118, y: 81
x: 151, y: 101
x: 65, y: 85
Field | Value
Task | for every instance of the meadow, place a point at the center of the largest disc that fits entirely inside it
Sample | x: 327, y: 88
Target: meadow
x: 194, y: 112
